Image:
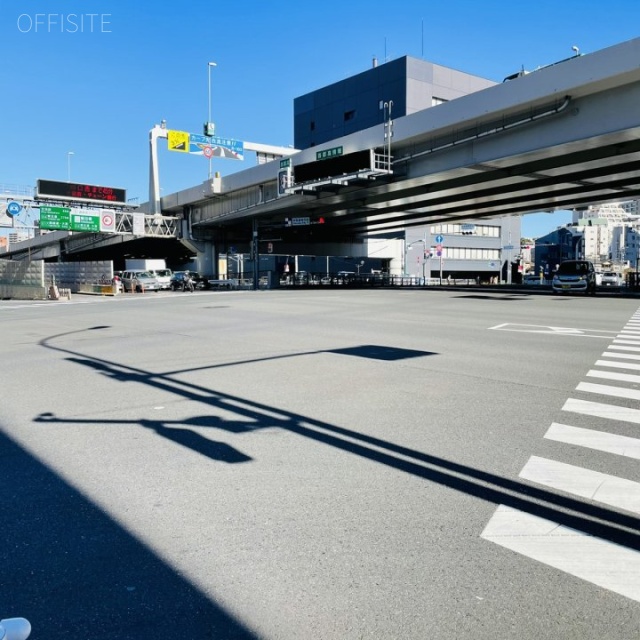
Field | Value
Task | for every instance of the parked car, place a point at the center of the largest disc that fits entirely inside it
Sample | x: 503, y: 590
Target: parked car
x: 177, y: 280
x: 163, y: 276
x: 139, y: 280
x: 531, y: 278
x: 575, y: 275
x: 611, y: 279
x: 345, y: 277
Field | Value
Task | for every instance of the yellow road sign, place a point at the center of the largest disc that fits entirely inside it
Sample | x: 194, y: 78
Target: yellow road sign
x: 178, y: 141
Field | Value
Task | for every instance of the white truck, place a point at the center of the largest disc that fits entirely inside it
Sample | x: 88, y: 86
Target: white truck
x: 157, y: 267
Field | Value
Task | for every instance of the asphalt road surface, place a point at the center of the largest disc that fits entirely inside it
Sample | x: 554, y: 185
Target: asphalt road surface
x: 321, y: 464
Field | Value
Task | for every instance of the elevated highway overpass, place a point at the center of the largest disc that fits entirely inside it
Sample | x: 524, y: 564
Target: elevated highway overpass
x: 561, y: 137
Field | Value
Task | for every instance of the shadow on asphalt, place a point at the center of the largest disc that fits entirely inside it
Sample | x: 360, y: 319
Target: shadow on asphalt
x: 89, y: 589
x: 75, y: 573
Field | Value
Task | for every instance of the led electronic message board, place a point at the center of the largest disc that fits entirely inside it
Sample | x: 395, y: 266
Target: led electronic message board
x: 81, y: 192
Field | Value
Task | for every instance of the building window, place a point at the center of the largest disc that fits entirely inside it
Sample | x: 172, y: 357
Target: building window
x: 456, y: 229
x: 312, y: 125
x: 349, y: 115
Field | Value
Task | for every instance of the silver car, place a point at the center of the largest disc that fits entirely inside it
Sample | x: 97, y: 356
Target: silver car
x: 138, y: 280
x: 611, y: 279
x: 575, y: 276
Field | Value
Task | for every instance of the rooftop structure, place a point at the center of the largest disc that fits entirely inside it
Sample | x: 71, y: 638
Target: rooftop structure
x: 357, y: 103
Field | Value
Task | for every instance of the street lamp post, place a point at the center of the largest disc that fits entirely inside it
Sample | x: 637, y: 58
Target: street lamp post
x: 69, y: 154
x: 209, y: 126
x: 409, y: 247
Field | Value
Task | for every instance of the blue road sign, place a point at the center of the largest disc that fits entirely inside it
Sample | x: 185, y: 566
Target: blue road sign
x: 216, y: 146
x: 13, y: 208
x: 439, y: 239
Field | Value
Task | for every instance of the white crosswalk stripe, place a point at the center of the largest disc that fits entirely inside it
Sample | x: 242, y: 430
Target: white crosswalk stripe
x: 601, y: 487
x: 608, y: 390
x: 619, y: 365
x: 602, y: 410
x: 614, y: 354
x: 613, y: 375
x: 622, y: 348
x: 592, y: 439
x: 596, y: 560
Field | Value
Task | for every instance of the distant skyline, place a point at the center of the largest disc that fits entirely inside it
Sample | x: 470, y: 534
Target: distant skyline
x: 82, y: 90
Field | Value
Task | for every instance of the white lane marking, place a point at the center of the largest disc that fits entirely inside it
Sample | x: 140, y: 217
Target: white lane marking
x: 598, y: 440
x: 618, y: 341
x: 613, y: 491
x: 597, y: 561
x: 606, y: 390
x: 618, y: 365
x: 599, y: 410
x: 52, y: 304
x: 613, y: 375
x: 557, y: 331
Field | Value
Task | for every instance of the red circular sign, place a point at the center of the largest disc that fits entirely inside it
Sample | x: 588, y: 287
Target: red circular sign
x: 208, y: 152
x: 107, y: 220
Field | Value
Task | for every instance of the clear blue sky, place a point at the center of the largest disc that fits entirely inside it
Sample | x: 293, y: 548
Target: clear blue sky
x: 96, y: 87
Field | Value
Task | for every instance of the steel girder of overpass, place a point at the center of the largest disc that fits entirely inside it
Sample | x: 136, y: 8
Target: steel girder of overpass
x: 562, y: 137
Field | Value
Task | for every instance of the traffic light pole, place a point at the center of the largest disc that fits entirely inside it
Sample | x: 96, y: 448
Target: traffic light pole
x: 255, y: 250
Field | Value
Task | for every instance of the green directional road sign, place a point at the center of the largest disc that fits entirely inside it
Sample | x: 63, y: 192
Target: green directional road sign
x: 55, y: 217
x: 83, y: 222
x: 65, y: 218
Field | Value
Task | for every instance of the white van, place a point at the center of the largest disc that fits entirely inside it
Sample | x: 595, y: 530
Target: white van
x: 163, y: 276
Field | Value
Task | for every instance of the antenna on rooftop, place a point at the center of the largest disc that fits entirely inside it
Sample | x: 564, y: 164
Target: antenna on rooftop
x: 576, y: 50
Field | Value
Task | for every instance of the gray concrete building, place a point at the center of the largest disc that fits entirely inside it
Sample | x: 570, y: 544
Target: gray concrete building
x: 357, y: 103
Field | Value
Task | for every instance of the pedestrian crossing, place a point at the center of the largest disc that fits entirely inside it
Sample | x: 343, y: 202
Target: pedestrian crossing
x: 608, y: 564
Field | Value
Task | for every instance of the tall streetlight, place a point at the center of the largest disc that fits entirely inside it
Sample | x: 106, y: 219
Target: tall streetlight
x: 69, y: 154
x: 209, y: 129
x: 406, y: 251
